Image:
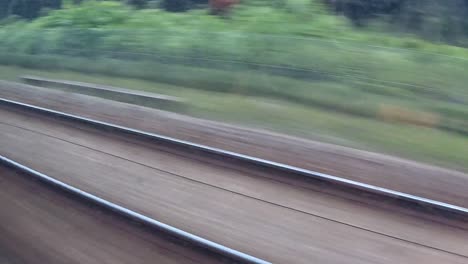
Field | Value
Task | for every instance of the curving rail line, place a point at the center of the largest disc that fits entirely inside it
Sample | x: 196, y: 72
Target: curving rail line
x: 403, y: 199
x: 228, y: 254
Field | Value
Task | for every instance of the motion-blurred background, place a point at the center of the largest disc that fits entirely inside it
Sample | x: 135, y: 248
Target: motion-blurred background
x: 381, y: 75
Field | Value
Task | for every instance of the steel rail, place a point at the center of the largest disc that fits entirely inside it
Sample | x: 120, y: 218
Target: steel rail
x: 231, y: 254
x: 406, y: 199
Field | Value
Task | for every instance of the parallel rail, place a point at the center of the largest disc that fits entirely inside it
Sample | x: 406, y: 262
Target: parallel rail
x: 367, y: 190
x: 110, y: 92
x: 227, y: 254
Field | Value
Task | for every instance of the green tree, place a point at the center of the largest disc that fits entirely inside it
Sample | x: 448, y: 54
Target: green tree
x: 176, y: 5
x: 137, y: 3
x: 52, y: 4
x: 181, y: 5
x: 433, y: 19
x: 359, y: 11
x: 28, y: 9
x: 4, y: 8
x: 442, y: 20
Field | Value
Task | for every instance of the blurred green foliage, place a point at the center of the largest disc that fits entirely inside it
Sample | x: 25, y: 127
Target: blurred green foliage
x: 90, y: 14
x: 289, y: 49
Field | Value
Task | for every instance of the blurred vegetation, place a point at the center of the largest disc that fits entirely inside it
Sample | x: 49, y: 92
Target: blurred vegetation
x: 27, y: 9
x: 392, y: 60
x: 431, y: 19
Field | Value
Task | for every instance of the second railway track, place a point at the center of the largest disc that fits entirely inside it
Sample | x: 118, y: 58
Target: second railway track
x: 265, y: 209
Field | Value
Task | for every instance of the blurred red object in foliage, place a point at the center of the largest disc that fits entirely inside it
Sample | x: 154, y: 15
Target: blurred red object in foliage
x: 222, y: 6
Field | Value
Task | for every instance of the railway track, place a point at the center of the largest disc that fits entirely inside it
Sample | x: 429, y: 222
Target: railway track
x: 376, y: 169
x: 276, y: 211
x: 404, y: 199
x: 76, y: 213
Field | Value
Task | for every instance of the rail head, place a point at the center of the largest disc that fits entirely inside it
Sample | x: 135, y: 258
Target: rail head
x: 342, y: 182
x: 232, y: 255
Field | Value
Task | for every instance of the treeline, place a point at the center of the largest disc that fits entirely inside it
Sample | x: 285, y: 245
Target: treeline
x: 444, y: 20
x: 169, y: 5
x: 28, y: 9
x: 431, y: 19
x: 184, y: 5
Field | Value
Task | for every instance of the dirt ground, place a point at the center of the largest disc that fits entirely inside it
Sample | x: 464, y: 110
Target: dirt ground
x: 372, y: 168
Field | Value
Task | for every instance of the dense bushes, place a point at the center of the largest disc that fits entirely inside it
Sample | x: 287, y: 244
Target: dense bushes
x: 253, y: 52
x: 90, y: 14
x: 431, y: 19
